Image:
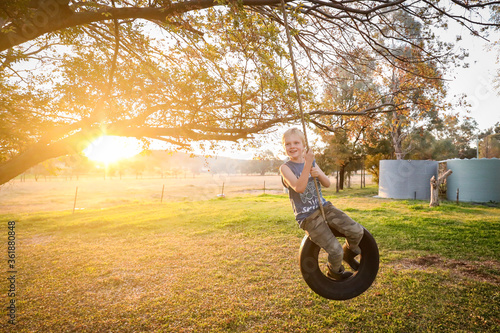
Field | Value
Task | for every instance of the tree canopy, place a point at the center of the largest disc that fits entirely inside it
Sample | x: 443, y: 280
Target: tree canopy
x: 195, y: 70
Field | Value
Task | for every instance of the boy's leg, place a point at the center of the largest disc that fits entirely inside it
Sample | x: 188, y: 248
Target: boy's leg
x: 352, y: 230
x: 319, y: 232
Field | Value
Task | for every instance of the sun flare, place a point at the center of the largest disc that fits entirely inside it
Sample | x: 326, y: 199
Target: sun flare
x: 109, y: 149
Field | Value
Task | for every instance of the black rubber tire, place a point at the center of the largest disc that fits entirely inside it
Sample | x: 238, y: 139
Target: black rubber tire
x: 355, y: 285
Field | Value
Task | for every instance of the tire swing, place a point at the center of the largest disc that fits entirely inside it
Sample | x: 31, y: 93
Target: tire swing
x: 309, y: 253
x: 360, y: 281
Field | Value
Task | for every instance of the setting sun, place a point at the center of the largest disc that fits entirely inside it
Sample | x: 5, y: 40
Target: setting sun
x: 109, y: 149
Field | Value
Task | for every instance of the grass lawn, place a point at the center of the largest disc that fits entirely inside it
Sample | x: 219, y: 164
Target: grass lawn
x: 230, y: 265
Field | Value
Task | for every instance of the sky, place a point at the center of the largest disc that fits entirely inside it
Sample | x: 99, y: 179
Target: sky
x: 477, y: 81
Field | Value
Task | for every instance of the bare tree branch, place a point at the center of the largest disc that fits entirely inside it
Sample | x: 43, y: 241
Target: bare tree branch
x: 364, y: 112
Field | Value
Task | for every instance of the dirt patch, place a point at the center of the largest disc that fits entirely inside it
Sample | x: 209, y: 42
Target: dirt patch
x: 484, y: 271
x: 426, y: 261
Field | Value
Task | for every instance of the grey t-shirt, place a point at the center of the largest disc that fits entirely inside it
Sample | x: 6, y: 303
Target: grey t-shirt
x: 304, y: 204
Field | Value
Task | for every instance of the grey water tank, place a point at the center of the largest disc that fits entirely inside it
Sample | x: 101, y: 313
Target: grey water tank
x: 478, y: 180
x: 406, y: 179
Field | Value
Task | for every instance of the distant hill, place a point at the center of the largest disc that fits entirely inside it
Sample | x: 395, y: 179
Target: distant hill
x: 154, y: 163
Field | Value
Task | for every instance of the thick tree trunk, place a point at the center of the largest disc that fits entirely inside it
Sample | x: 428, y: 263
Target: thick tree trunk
x: 341, y: 177
x: 43, y: 151
x: 30, y: 158
x: 397, y: 139
x: 54, y: 15
x: 435, y: 188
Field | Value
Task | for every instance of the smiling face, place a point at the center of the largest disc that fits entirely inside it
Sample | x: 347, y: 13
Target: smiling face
x: 294, y: 147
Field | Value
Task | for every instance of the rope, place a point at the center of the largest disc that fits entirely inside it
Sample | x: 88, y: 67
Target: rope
x: 299, y: 98
x: 294, y: 70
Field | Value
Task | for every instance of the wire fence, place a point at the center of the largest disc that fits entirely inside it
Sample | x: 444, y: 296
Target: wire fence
x: 60, y: 193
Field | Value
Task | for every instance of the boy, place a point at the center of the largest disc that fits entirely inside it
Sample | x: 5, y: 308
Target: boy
x: 304, y: 199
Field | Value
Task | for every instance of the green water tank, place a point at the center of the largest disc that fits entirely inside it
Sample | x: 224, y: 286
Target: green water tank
x: 477, y: 180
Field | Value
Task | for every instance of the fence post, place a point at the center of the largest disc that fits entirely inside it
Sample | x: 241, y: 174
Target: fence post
x: 74, y: 203
x: 337, y: 180
x: 162, y: 190
x: 361, y: 178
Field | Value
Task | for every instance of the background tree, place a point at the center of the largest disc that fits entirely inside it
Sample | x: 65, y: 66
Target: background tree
x: 340, y: 156
x: 426, y: 147
x: 46, y: 168
x: 375, y: 152
x: 463, y: 134
x: 266, y: 162
x: 414, y: 87
x: 399, y: 100
x: 347, y: 135
x: 489, y: 142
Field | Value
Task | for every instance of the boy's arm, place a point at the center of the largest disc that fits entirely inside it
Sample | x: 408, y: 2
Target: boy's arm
x: 299, y: 185
x: 318, y: 173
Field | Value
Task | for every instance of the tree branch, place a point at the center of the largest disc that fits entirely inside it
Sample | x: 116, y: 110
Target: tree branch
x: 364, y: 112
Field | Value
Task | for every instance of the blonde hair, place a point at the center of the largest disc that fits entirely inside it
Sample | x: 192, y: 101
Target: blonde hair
x: 294, y: 131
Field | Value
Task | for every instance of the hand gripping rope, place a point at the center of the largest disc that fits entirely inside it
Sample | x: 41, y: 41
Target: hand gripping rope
x: 365, y: 274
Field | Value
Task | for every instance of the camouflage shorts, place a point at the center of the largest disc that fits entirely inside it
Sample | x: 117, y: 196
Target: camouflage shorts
x: 319, y: 232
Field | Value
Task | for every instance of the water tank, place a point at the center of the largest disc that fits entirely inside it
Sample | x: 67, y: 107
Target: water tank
x: 406, y: 179
x: 478, y: 180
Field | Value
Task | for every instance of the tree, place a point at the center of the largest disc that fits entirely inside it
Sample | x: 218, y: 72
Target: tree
x: 463, y: 135
x: 413, y: 87
x: 347, y: 135
x: 489, y: 146
x: 217, y: 72
x: 381, y: 150
x: 392, y: 96
x: 264, y: 162
x: 46, y: 168
x: 340, y: 155
x: 222, y: 87
x: 77, y: 165
x: 426, y: 147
